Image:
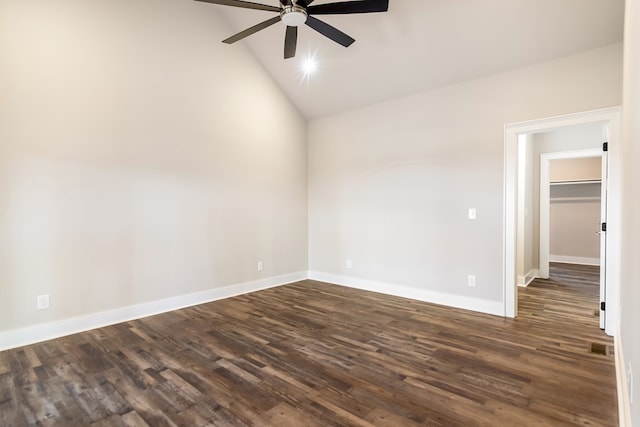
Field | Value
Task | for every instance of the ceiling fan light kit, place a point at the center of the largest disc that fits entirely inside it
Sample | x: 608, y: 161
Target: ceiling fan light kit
x: 294, y: 13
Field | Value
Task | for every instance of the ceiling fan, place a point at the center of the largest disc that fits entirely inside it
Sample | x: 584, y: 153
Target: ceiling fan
x: 297, y: 12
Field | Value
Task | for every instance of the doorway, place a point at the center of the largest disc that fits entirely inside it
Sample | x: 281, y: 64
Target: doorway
x: 572, y: 200
x: 610, y: 119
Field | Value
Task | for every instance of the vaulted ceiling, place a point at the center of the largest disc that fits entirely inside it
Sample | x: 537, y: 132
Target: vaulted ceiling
x: 420, y: 45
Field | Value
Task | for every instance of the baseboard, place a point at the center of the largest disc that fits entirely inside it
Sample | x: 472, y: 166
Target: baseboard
x: 474, y: 304
x: 574, y: 260
x: 524, y: 281
x: 624, y: 401
x: 46, y: 331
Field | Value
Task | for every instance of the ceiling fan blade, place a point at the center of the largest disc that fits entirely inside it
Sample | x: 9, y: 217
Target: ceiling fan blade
x: 290, y: 42
x: 244, y: 4
x: 252, y: 30
x: 286, y: 2
x: 329, y: 31
x: 358, y: 6
x: 304, y: 3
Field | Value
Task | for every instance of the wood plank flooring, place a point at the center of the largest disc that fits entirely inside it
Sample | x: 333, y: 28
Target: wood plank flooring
x: 312, y: 354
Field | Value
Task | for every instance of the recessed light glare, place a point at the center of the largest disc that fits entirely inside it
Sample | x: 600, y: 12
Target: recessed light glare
x: 309, y: 66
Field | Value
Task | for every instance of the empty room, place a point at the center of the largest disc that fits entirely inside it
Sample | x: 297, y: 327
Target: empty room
x: 319, y: 213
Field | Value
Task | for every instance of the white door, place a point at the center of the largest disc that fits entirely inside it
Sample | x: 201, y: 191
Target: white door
x: 603, y: 234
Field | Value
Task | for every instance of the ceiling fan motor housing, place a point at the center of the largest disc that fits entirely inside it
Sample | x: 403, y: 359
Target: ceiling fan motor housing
x: 293, y: 15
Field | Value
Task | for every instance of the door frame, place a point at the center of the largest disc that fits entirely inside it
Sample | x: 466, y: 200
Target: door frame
x: 609, y: 117
x: 545, y: 199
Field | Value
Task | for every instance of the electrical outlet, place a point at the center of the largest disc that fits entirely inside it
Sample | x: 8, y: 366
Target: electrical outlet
x: 260, y: 265
x: 349, y: 265
x: 473, y: 213
x: 471, y: 280
x: 43, y: 302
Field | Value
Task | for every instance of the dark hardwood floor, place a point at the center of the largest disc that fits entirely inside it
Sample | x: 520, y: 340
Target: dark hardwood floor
x: 312, y: 354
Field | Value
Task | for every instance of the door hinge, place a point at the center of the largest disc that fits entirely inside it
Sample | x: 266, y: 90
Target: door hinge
x: 605, y: 146
x: 603, y: 305
x: 604, y: 226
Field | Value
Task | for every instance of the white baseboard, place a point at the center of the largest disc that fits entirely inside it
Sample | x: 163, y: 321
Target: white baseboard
x: 46, y: 331
x: 574, y: 260
x: 524, y: 281
x: 624, y: 404
x: 42, y: 332
x: 474, y: 304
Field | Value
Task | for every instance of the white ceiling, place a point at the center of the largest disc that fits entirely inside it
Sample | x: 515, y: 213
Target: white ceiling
x: 424, y: 44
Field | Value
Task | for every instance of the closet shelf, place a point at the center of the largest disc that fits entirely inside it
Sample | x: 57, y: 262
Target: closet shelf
x: 574, y: 199
x: 576, y: 181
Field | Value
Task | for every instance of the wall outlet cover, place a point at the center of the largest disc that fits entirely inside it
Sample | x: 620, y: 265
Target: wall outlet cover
x: 43, y: 302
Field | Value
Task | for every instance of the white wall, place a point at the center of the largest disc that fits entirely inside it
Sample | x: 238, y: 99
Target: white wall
x: 140, y: 159
x: 527, y: 218
x: 526, y: 271
x: 629, y: 352
x: 587, y: 168
x: 522, y: 209
x: 390, y: 184
x: 530, y: 263
x: 574, y: 220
